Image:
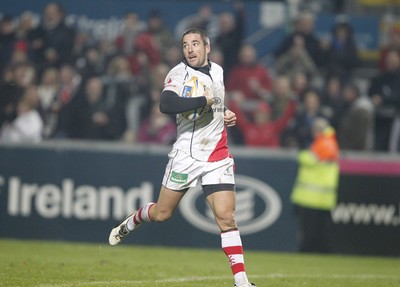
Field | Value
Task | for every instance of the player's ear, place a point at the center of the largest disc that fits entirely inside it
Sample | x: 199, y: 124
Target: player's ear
x: 208, y: 48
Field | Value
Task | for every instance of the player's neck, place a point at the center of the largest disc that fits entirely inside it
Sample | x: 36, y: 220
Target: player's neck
x: 204, y: 69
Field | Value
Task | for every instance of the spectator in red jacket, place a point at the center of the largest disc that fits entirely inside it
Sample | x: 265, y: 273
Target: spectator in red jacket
x: 258, y: 129
x: 155, y: 40
x: 393, y: 44
x: 249, y: 77
x: 132, y: 26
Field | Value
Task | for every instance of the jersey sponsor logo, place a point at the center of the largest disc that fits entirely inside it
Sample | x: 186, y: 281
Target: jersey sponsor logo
x: 218, y: 110
x: 190, y: 87
x: 187, y: 91
x: 179, y: 177
x: 217, y: 100
x: 258, y: 206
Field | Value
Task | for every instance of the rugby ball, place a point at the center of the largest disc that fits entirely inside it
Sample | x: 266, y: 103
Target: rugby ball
x: 192, y: 88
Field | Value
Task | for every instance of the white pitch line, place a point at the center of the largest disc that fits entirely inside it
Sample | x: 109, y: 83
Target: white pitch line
x: 331, y: 276
x: 138, y: 282
x: 195, y: 279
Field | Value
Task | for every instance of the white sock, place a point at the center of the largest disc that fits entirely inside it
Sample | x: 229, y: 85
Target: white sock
x: 142, y: 215
x: 232, y: 246
x: 130, y: 224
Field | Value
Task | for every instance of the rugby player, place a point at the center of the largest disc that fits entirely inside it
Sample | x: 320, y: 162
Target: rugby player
x: 200, y: 153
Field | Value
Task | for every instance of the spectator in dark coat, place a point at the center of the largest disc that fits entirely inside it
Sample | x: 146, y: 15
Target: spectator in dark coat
x: 303, y: 26
x: 16, y: 79
x: 332, y: 99
x: 52, y: 41
x: 7, y: 40
x: 300, y: 134
x: 385, y: 95
x: 296, y: 59
x: 342, y: 52
x: 230, y: 37
x: 356, y: 123
x: 91, y: 117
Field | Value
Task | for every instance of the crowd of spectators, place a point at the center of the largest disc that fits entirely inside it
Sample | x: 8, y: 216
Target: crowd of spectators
x: 58, y: 82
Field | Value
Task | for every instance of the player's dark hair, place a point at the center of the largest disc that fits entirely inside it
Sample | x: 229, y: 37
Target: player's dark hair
x: 201, y: 32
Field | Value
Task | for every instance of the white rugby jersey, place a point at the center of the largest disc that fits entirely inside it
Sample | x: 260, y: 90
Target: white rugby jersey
x: 204, y: 139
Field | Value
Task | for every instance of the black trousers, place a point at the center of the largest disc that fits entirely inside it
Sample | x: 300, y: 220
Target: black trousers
x: 315, y: 228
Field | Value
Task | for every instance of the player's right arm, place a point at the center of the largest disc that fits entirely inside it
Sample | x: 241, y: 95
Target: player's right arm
x: 172, y: 103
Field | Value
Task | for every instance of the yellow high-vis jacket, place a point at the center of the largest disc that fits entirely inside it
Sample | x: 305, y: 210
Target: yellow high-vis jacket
x: 318, y: 174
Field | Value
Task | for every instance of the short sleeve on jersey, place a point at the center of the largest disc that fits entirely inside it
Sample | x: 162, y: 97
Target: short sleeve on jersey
x: 174, y: 80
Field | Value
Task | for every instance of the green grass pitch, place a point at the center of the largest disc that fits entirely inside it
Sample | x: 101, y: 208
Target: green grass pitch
x: 60, y: 264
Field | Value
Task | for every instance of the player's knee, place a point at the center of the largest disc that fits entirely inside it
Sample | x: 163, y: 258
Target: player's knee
x: 226, y: 220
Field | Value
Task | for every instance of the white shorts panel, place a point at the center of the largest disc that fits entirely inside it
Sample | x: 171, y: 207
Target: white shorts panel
x: 219, y: 172
x: 183, y: 171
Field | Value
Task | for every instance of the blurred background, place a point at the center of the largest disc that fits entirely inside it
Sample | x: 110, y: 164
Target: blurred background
x: 82, y: 141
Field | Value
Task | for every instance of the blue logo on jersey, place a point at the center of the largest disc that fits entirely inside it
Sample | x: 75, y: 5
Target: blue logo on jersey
x: 187, y: 91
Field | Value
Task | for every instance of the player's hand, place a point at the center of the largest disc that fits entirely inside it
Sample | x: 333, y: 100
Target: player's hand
x: 230, y: 118
x: 209, y: 97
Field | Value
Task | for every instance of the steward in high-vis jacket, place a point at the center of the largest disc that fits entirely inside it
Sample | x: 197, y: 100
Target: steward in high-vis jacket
x: 315, y: 189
